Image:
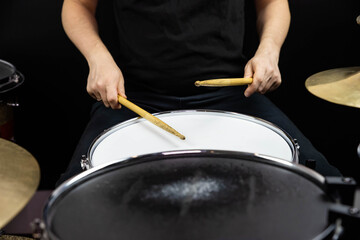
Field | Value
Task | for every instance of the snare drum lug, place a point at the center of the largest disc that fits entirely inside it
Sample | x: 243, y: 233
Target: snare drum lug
x: 296, y: 144
x: 14, y: 78
x: 85, y: 163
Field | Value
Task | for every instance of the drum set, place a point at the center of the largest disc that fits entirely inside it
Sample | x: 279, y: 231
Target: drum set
x: 140, y: 182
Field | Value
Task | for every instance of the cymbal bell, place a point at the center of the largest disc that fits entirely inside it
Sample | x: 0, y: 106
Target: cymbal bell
x: 339, y: 85
x: 19, y: 179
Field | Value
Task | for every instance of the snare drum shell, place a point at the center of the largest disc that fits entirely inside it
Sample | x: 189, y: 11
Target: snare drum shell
x: 211, y: 195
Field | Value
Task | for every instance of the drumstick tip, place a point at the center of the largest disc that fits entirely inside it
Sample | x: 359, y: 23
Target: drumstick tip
x: 197, y: 83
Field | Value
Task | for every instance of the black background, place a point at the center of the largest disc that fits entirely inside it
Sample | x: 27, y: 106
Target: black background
x: 54, y: 106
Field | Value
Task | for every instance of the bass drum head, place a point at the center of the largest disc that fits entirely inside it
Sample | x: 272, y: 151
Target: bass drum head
x: 212, y: 195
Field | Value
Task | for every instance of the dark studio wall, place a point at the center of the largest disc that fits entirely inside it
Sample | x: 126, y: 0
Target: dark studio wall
x: 54, y: 106
x: 323, y: 35
x: 53, y: 101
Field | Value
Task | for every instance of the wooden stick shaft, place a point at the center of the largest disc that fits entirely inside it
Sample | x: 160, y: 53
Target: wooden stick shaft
x: 222, y: 82
x: 148, y: 116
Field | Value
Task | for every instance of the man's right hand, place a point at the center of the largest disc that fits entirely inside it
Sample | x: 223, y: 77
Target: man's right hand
x: 105, y: 81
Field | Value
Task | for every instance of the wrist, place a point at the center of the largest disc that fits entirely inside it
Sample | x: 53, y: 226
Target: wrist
x: 98, y: 53
x: 269, y: 47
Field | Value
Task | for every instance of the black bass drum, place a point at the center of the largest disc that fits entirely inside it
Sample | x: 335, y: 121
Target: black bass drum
x: 193, y: 195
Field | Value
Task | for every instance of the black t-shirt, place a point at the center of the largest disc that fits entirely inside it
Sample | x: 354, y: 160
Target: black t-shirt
x: 166, y: 45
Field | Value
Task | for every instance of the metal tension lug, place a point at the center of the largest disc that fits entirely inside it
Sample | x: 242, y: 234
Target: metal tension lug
x: 85, y: 163
x: 296, y: 144
x: 14, y: 78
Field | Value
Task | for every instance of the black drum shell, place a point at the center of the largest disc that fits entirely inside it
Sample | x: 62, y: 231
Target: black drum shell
x: 213, y: 195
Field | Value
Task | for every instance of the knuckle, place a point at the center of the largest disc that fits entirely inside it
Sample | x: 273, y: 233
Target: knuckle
x: 112, y: 101
x: 99, y: 84
x: 256, y: 84
x: 271, y: 71
x: 260, y: 89
x: 254, y: 60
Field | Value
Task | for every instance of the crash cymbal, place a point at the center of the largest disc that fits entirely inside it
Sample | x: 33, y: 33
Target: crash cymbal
x: 339, y: 85
x: 19, y: 179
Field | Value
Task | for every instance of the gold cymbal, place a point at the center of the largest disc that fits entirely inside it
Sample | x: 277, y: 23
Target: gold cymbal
x: 19, y: 179
x: 339, y: 85
x: 10, y: 237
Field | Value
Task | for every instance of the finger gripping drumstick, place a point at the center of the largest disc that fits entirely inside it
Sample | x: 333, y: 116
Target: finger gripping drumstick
x: 156, y: 121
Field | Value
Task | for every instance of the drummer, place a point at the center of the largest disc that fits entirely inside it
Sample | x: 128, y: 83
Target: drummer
x: 165, y: 46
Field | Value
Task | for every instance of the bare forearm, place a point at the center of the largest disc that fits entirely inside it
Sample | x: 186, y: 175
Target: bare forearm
x: 78, y: 19
x: 105, y: 80
x: 273, y: 20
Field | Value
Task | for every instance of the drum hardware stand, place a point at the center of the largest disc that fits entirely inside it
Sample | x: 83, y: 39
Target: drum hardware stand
x: 349, y: 217
x: 345, y: 214
x: 341, y: 186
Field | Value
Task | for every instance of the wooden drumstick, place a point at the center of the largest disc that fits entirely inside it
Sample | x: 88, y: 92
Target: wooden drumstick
x: 156, y: 121
x: 223, y: 82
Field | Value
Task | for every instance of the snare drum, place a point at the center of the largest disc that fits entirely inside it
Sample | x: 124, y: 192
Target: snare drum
x: 204, y: 129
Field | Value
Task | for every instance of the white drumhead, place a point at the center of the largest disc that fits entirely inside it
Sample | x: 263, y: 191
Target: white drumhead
x: 206, y: 130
